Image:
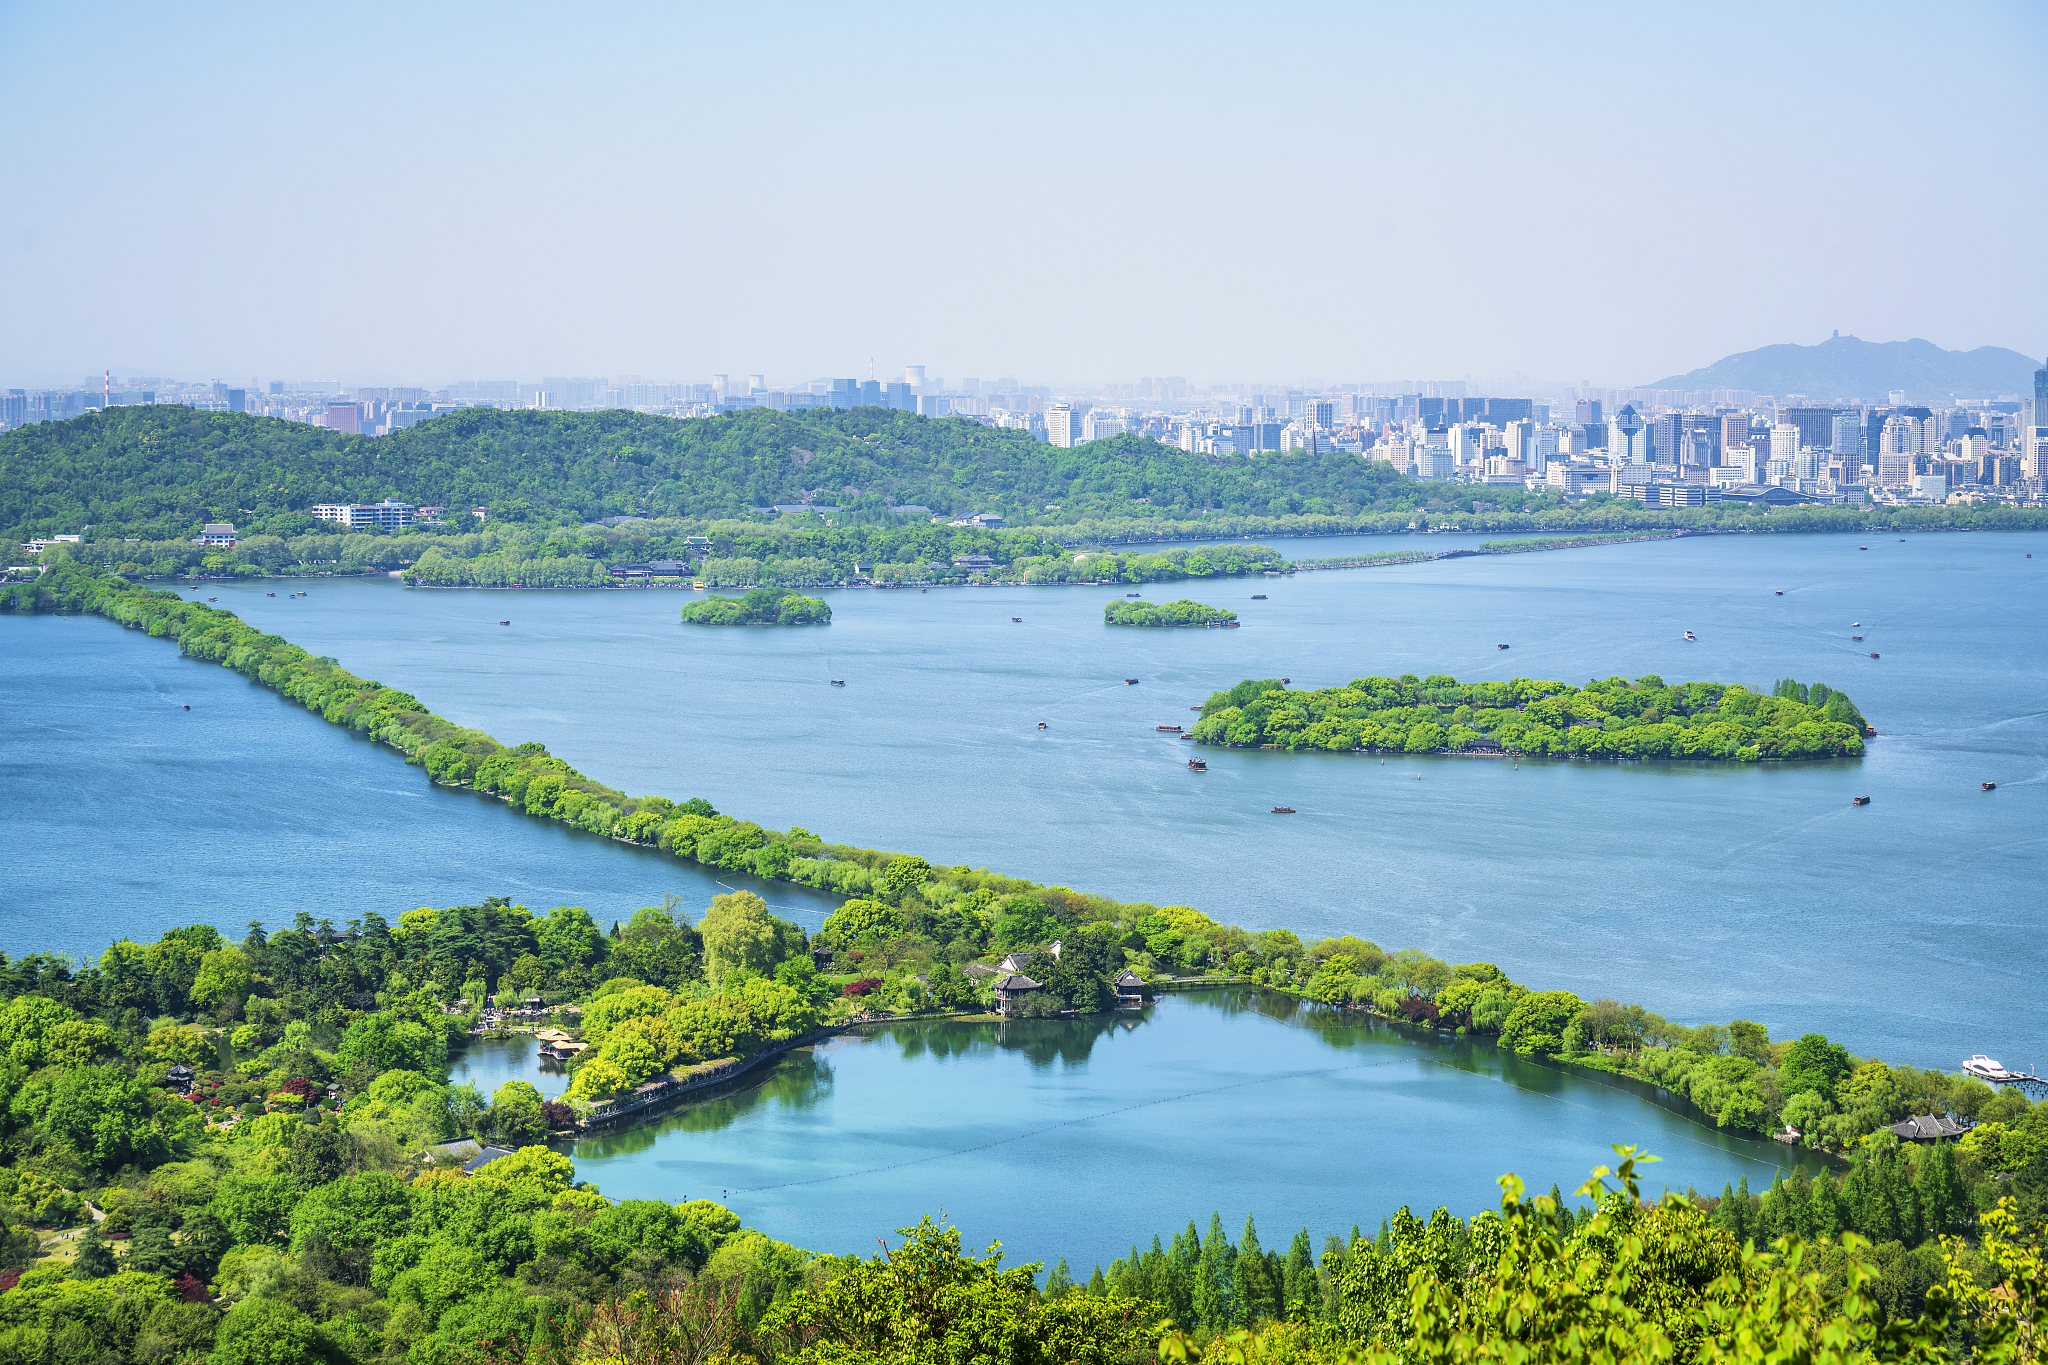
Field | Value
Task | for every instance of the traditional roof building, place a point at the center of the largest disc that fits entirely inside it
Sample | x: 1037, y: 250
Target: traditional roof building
x: 1011, y: 990
x: 1927, y: 1128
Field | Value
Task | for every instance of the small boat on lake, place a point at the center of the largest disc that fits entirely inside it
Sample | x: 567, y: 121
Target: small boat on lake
x: 1781, y: 592
x: 1016, y: 618
x: 1041, y: 725
x: 1860, y: 801
x: 1258, y: 597
x: 1285, y: 681
x: 1131, y: 594
x: 1500, y: 646
x: 504, y: 623
x: 1168, y: 729
x: 1130, y: 682
x: 1690, y: 636
x: 1196, y: 765
x: 839, y: 682
x: 1991, y: 786
x: 270, y: 594
x: 1283, y: 810
x: 1873, y: 654
x: 1856, y: 637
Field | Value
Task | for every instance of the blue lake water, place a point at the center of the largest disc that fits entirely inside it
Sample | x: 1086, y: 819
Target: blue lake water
x: 1905, y: 928
x: 1076, y: 1138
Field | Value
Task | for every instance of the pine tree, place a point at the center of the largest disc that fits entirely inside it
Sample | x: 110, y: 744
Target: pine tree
x: 1060, y: 1281
x: 1944, y: 1202
x: 1184, y: 1260
x: 1826, y: 1214
x: 1728, y: 1213
x: 1298, y: 1281
x: 1255, y: 1298
x: 1097, y: 1286
x: 1213, y: 1275
x: 1903, y: 1199
x: 1774, y: 1214
x: 95, y: 1258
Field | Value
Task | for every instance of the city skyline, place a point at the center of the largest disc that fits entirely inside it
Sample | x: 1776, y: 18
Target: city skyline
x: 470, y: 191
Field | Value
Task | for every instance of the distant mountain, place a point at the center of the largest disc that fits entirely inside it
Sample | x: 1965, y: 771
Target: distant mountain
x: 1848, y: 368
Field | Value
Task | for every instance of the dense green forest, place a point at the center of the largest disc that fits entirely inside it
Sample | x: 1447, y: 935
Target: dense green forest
x: 1184, y: 612
x: 313, y: 1228
x: 159, y: 472
x: 761, y: 607
x: 1607, y: 718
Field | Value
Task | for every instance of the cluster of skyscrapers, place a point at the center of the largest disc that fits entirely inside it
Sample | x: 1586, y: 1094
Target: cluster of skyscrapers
x: 1666, y: 447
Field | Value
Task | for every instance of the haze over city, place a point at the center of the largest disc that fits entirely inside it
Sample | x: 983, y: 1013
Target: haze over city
x: 1302, y: 196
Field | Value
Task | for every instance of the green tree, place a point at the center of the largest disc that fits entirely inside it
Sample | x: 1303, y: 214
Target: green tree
x: 924, y: 1301
x: 515, y: 1115
x: 224, y: 975
x: 739, y: 935
x: 269, y: 1332
x: 1535, y: 1028
x: 95, y: 1260
x: 1813, y: 1063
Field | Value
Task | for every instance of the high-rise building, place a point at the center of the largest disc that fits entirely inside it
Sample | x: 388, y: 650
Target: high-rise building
x: 1897, y: 446
x: 238, y: 400
x: 1816, y: 425
x: 1501, y: 411
x: 1734, y: 430
x: 1666, y: 433
x: 913, y: 375
x: 870, y: 394
x: 1785, y: 457
x: 842, y: 393
x: 1627, y: 438
x: 2034, y: 410
x: 344, y: 417
x: 1587, y: 413
x: 1060, y: 426
x: 900, y: 397
x: 1319, y: 412
x: 1846, y: 439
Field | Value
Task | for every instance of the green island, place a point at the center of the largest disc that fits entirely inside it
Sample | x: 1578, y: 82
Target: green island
x: 567, y: 497
x: 761, y: 607
x: 1607, y: 718
x: 1184, y: 612
x: 255, y: 1122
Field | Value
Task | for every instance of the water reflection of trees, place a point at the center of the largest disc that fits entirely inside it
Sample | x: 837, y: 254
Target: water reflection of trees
x: 798, y: 1080
x: 1041, y: 1041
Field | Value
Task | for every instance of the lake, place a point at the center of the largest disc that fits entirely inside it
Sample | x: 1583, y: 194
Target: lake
x: 1904, y: 928
x: 1075, y: 1138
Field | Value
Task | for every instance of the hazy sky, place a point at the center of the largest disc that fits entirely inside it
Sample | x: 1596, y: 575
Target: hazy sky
x: 1056, y: 192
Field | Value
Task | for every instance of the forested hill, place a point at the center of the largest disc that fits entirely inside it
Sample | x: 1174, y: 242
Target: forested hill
x: 160, y: 472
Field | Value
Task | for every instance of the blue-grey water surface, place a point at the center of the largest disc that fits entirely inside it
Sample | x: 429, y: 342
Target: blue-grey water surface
x: 1906, y: 928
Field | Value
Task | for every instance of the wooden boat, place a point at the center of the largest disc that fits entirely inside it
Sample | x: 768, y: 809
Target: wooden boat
x: 1131, y: 594
x: 1196, y: 765
x: 1856, y: 637
x: 1016, y: 618
x: 1188, y: 737
x: 188, y: 708
x: 839, y: 682
x: 1168, y: 729
x: 1258, y: 597
x: 1862, y: 547
x: 1781, y: 592
x: 270, y: 594
x: 1873, y: 654
x: 1283, y: 810
x: 1500, y: 646
x: 1285, y: 681
x: 1194, y: 708
x: 1130, y: 682
x: 1991, y: 786
x: 1860, y: 801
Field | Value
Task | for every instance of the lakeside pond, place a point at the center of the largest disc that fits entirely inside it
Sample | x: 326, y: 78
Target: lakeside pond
x: 1076, y: 1137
